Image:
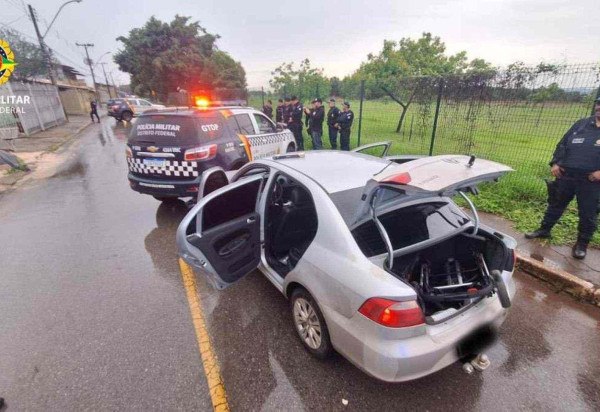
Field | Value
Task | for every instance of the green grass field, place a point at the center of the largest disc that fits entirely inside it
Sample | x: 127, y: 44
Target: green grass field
x: 520, y: 135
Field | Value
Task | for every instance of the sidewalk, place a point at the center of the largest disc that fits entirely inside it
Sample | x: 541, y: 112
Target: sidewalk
x: 554, y: 264
x: 31, y: 149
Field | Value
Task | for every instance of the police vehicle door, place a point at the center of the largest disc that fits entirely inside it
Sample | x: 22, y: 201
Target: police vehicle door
x: 268, y: 141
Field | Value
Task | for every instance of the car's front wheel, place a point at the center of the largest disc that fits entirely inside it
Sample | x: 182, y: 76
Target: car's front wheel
x: 310, y: 324
x: 127, y: 116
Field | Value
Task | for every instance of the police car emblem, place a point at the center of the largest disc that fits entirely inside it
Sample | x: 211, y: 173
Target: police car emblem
x: 153, y: 149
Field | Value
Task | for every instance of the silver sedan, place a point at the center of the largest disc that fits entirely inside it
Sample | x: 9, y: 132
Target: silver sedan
x: 378, y: 262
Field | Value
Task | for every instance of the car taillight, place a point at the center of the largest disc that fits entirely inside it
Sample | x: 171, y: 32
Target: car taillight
x: 201, y: 153
x: 391, y: 313
x: 128, y: 152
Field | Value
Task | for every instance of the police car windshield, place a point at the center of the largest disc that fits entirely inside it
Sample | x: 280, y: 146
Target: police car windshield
x: 164, y: 129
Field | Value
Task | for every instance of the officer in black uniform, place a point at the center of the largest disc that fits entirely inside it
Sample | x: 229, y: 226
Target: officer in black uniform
x: 576, y: 166
x: 295, y: 122
x: 268, y: 109
x: 332, y: 116
x: 279, y: 111
x: 94, y: 110
x: 287, y: 110
x: 317, y: 115
x: 344, y: 124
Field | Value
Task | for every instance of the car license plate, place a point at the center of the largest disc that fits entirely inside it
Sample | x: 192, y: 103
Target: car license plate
x: 157, y: 163
x: 476, y: 341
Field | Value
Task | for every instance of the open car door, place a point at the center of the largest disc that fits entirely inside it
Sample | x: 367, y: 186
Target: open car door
x: 444, y: 175
x: 220, y: 236
x: 379, y: 149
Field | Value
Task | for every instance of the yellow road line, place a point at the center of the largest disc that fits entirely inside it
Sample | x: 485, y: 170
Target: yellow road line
x: 209, y: 358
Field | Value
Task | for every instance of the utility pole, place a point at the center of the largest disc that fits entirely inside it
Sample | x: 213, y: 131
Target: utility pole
x: 114, y: 84
x: 106, y: 80
x: 45, y: 51
x: 89, y: 63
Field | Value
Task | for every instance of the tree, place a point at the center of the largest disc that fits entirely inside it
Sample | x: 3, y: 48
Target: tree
x: 28, y: 55
x: 304, y: 82
x: 335, y: 86
x: 160, y: 57
x: 386, y: 73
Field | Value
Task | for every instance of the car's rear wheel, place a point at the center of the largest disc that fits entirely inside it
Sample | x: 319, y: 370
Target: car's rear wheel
x: 127, y: 116
x: 310, y: 324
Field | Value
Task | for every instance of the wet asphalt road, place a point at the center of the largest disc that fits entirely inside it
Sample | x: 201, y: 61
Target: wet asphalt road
x: 93, y: 315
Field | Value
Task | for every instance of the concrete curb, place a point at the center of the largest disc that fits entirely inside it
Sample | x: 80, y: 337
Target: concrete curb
x: 565, y: 281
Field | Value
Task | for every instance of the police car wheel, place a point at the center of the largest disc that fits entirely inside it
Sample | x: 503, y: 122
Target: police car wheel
x: 166, y: 199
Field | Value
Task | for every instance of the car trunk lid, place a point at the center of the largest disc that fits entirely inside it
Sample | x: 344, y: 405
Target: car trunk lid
x: 436, y: 175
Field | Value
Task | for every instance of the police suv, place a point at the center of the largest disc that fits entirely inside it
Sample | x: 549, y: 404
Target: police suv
x: 168, y: 149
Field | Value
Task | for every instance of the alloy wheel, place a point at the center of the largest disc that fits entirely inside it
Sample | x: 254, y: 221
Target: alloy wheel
x: 307, y: 323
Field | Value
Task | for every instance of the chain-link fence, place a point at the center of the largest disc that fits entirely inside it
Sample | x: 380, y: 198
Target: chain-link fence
x: 515, y: 116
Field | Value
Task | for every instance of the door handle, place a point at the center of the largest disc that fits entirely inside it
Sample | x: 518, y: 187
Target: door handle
x: 251, y: 220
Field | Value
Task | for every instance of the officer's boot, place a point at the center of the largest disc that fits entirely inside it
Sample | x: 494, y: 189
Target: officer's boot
x: 579, y: 250
x: 541, y: 233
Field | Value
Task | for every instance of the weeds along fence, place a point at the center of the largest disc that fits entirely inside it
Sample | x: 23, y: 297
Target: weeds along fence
x: 514, y: 116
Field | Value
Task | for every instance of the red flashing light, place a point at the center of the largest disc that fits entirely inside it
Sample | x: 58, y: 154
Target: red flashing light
x: 201, y: 101
x: 391, y: 313
x: 400, y: 179
x: 201, y: 153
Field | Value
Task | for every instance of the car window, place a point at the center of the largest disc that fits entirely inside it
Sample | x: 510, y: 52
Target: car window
x: 230, y: 205
x: 265, y: 125
x: 245, y: 124
x: 132, y: 102
x: 144, y: 103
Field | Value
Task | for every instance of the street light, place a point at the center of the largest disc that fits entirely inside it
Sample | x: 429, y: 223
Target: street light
x: 100, y: 58
x: 41, y: 38
x: 57, y: 13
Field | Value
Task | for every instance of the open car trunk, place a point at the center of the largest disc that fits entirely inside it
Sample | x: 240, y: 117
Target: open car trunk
x: 451, y: 275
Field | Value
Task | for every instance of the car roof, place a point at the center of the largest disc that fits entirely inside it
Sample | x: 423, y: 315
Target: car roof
x: 335, y: 170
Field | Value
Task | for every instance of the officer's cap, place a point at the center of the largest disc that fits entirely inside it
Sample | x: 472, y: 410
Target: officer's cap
x: 294, y: 97
x: 317, y: 100
x: 597, y: 99
x: 332, y: 100
x: 346, y: 104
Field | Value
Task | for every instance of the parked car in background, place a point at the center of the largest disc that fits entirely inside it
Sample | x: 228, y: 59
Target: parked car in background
x: 168, y: 150
x: 377, y: 260
x: 125, y: 109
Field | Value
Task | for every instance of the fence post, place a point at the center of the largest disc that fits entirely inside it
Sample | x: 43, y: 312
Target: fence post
x: 37, y: 112
x: 437, y: 113
x: 594, y: 102
x: 360, y: 107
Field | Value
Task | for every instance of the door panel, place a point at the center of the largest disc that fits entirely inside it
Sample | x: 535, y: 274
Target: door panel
x: 220, y: 236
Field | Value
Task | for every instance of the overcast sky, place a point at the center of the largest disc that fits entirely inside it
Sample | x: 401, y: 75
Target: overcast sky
x: 334, y: 35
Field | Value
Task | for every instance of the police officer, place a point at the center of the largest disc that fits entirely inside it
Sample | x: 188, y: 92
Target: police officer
x: 279, y: 111
x: 317, y: 115
x: 287, y: 109
x: 268, y: 109
x: 332, y: 116
x: 576, y: 167
x: 295, y: 122
x: 344, y: 123
x: 94, y: 110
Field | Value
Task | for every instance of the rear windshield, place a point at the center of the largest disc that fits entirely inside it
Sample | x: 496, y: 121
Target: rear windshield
x: 410, y: 225
x: 164, y: 129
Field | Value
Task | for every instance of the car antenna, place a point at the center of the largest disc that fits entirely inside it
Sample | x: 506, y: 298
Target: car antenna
x: 471, y: 161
